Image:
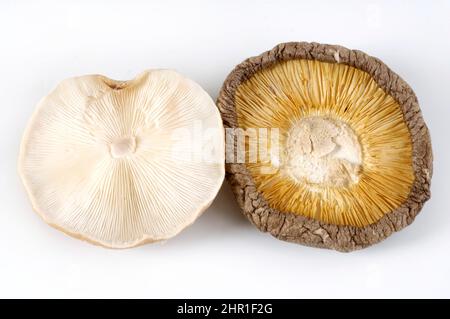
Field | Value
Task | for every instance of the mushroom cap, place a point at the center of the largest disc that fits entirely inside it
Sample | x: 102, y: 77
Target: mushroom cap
x: 123, y: 163
x: 355, y: 160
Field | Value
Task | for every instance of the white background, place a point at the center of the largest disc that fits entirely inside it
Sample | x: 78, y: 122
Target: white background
x: 221, y: 255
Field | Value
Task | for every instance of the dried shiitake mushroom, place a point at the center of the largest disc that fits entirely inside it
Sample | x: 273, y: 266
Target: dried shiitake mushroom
x: 353, y: 160
x: 123, y: 163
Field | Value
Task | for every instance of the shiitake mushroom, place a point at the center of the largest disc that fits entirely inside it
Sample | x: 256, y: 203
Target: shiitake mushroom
x: 354, y: 159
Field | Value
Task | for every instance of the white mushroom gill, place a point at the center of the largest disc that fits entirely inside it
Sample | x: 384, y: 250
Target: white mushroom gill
x: 120, y: 164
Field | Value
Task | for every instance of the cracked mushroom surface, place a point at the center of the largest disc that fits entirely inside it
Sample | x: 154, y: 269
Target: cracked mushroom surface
x: 353, y: 159
x: 123, y: 163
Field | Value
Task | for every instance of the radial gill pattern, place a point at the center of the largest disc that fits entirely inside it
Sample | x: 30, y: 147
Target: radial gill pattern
x: 123, y: 163
x: 365, y: 170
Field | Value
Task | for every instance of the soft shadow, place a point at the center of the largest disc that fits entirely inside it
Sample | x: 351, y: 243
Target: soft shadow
x: 221, y: 218
x: 223, y: 214
x: 226, y: 208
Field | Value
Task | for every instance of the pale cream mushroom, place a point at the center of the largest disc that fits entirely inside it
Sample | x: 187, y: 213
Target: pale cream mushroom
x: 123, y: 163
